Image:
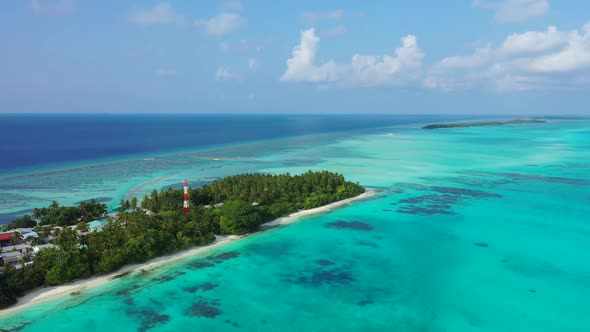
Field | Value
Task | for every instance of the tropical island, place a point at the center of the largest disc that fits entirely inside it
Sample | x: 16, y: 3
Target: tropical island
x: 72, y: 243
x: 481, y: 123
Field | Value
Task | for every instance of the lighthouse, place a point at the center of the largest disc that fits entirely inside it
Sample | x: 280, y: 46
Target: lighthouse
x: 185, y: 203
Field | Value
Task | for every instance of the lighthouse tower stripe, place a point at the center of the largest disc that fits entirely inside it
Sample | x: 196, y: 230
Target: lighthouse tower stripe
x: 185, y: 203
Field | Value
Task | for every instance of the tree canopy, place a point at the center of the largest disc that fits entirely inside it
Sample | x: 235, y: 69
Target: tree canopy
x: 248, y: 201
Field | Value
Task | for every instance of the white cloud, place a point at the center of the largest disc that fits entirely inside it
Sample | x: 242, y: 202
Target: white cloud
x: 534, y: 41
x: 59, y: 7
x: 364, y: 70
x: 336, y: 31
x: 223, y: 74
x: 161, y: 13
x: 252, y: 64
x: 165, y: 72
x: 231, y: 5
x: 311, y: 18
x: 515, y: 10
x: 221, y: 24
x: 534, y: 59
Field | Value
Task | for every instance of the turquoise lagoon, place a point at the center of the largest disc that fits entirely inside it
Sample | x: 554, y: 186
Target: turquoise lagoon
x: 475, y: 229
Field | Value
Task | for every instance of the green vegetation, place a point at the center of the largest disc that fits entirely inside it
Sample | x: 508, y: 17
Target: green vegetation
x: 248, y: 200
x: 481, y: 123
x: 69, y: 215
x: 23, y: 222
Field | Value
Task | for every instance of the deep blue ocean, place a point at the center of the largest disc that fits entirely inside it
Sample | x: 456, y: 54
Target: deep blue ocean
x: 39, y: 139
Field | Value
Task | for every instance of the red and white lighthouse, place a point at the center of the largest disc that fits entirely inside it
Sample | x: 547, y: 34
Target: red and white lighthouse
x: 185, y: 203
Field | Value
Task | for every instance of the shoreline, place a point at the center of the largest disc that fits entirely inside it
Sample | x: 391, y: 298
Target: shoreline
x: 45, y: 294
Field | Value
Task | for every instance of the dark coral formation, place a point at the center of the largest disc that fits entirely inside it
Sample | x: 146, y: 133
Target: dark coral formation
x: 148, y: 318
x: 15, y: 328
x: 464, y: 192
x: 163, y: 278
x: 192, y: 289
x: 417, y: 210
x: 224, y: 256
x: 356, y: 225
x: 432, y: 198
x: 363, y: 303
x: 200, y: 265
x: 166, y: 278
x: 440, y: 202
x: 429, y: 204
x: 207, y: 286
x: 551, y: 179
x: 318, y: 278
x: 491, y: 179
x: 127, y: 291
x: 204, y: 308
x: 324, y: 262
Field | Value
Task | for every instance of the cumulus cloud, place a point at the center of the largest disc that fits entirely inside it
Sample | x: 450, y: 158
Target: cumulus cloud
x: 161, y: 13
x: 336, y: 31
x: 534, y: 59
x: 223, y: 74
x: 221, y: 24
x: 515, y: 10
x: 363, y: 70
x: 311, y: 18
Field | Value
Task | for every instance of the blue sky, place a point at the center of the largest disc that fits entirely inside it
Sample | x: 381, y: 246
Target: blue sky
x: 455, y: 56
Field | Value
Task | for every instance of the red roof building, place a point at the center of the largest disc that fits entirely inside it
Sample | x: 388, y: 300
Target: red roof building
x: 5, y: 237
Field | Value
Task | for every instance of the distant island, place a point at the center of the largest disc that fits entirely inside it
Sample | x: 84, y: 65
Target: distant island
x: 59, y: 244
x: 481, y: 123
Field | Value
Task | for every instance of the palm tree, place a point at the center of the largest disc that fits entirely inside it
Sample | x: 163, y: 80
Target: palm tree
x: 134, y: 203
x: 122, y: 206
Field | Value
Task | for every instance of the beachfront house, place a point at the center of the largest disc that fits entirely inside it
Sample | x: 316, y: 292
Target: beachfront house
x: 11, y: 257
x: 214, y: 205
x: 97, y: 225
x: 30, y: 235
x: 5, y: 239
x: 22, y: 248
x: 39, y: 247
x: 24, y: 230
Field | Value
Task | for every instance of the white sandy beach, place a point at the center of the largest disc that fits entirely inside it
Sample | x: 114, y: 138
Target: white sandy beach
x: 45, y: 294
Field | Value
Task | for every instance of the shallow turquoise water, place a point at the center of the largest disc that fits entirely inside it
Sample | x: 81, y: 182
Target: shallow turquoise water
x: 477, y: 229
